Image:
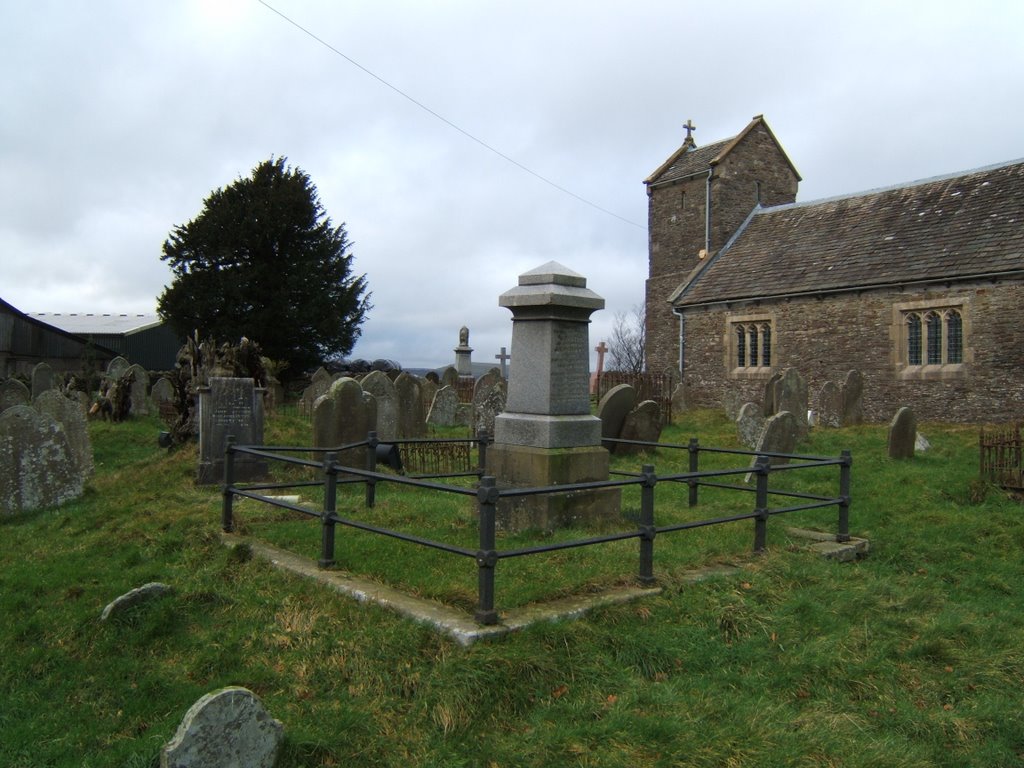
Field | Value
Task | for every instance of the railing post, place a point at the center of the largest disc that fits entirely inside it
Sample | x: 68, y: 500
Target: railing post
x: 483, y: 439
x: 371, y: 466
x: 486, y: 556
x: 647, y: 529
x: 844, y: 494
x: 761, y: 508
x: 694, y: 449
x: 227, y: 518
x: 327, y: 516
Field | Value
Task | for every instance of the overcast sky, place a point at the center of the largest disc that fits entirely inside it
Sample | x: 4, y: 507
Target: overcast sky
x: 118, y: 118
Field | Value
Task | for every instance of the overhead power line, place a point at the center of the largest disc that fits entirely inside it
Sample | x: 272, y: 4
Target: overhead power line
x: 444, y: 119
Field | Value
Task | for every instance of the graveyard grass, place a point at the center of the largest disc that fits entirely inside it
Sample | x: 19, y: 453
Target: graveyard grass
x: 913, y: 656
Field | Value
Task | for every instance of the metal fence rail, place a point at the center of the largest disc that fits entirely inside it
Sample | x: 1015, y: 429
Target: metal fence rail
x: 489, y: 495
x: 1002, y: 457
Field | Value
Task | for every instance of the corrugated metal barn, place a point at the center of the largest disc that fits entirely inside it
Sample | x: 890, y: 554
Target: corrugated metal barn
x: 141, y: 338
x: 26, y: 341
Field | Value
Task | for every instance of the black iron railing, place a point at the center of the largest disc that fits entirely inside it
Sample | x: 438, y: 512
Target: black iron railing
x: 488, y: 495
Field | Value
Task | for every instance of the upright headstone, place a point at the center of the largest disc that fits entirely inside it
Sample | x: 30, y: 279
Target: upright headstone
x: 612, y: 411
x: 830, y: 405
x: 274, y: 397
x: 547, y: 435
x: 791, y: 395
x: 750, y: 425
x: 412, y: 418
x: 69, y: 414
x: 344, y: 415
x: 771, y: 398
x: 318, y: 386
x: 163, y: 392
x: 42, y: 379
x: 482, y: 386
x: 450, y: 377
x: 13, y: 392
x: 464, y: 354
x: 679, y: 398
x: 779, y: 435
x: 117, y: 368
x: 902, y: 434
x: 228, y: 727
x: 428, y: 388
x: 491, y: 402
x: 381, y: 387
x: 444, y: 410
x: 643, y: 423
x: 229, y: 407
x: 139, y: 390
x: 36, y: 465
x: 853, y: 399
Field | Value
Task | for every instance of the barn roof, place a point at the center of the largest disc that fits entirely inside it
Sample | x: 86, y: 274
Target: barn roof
x: 100, y: 323
x: 947, y: 229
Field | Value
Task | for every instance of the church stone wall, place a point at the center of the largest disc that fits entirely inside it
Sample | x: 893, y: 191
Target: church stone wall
x: 824, y: 338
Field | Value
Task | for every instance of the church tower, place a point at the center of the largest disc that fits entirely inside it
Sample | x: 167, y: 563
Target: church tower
x: 697, y: 200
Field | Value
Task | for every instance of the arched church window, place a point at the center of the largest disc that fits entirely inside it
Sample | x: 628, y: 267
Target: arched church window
x: 954, y: 337
x: 913, y: 339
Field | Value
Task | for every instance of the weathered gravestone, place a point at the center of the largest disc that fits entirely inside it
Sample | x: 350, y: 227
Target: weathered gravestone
x: 791, y: 395
x: 428, y: 388
x: 230, y: 728
x: 317, y: 388
x: 732, y: 401
x: 412, y: 419
x: 450, y: 377
x: 381, y: 387
x: 771, y: 398
x: 482, y: 386
x: 229, y: 407
x: 780, y: 435
x: 642, y: 423
x: 139, y: 391
x: 13, y: 392
x: 343, y: 416
x: 117, y: 368
x: 547, y: 435
x: 750, y: 424
x: 274, y: 397
x: 853, y: 399
x: 445, y: 408
x: 163, y: 392
x: 134, y: 597
x: 42, y: 379
x: 902, y: 434
x: 830, y: 405
x: 488, y: 409
x: 37, y: 469
x: 612, y: 411
x: 69, y: 414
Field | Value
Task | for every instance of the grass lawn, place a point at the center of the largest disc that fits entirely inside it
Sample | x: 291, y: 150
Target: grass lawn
x: 913, y: 656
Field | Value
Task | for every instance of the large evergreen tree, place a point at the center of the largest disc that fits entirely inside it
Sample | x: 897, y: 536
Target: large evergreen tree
x: 262, y: 260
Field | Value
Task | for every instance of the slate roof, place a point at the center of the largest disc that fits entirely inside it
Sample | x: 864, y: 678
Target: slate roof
x: 943, y: 230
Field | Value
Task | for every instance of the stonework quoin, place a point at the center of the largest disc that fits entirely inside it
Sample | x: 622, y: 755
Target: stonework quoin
x: 547, y: 435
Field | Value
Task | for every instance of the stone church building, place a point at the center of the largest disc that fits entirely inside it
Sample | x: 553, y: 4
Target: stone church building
x: 919, y: 287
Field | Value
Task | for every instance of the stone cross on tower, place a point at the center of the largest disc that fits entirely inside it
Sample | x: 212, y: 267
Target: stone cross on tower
x: 689, y: 127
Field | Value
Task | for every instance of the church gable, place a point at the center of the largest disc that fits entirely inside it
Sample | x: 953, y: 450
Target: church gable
x: 951, y: 229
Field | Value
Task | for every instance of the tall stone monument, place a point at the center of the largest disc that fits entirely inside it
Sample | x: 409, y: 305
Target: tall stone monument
x: 547, y: 435
x: 464, y: 354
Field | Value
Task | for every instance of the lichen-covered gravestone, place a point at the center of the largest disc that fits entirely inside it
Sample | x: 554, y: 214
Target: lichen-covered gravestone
x: 791, y: 395
x: 488, y: 409
x: 69, y: 414
x: 412, y: 419
x: 139, y: 391
x: 779, y: 435
x: 42, y: 379
x: 13, y: 392
x: 445, y: 407
x: 750, y: 424
x: 37, y: 469
x: 853, y: 399
x: 228, y: 727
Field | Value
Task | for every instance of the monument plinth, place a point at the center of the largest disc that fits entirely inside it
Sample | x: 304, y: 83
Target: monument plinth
x: 547, y: 435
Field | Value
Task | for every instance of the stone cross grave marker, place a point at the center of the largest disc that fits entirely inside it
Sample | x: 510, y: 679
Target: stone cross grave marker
x: 503, y: 359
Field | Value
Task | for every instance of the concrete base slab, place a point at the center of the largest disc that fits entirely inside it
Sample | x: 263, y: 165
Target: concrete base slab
x: 825, y: 545
x: 457, y: 624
